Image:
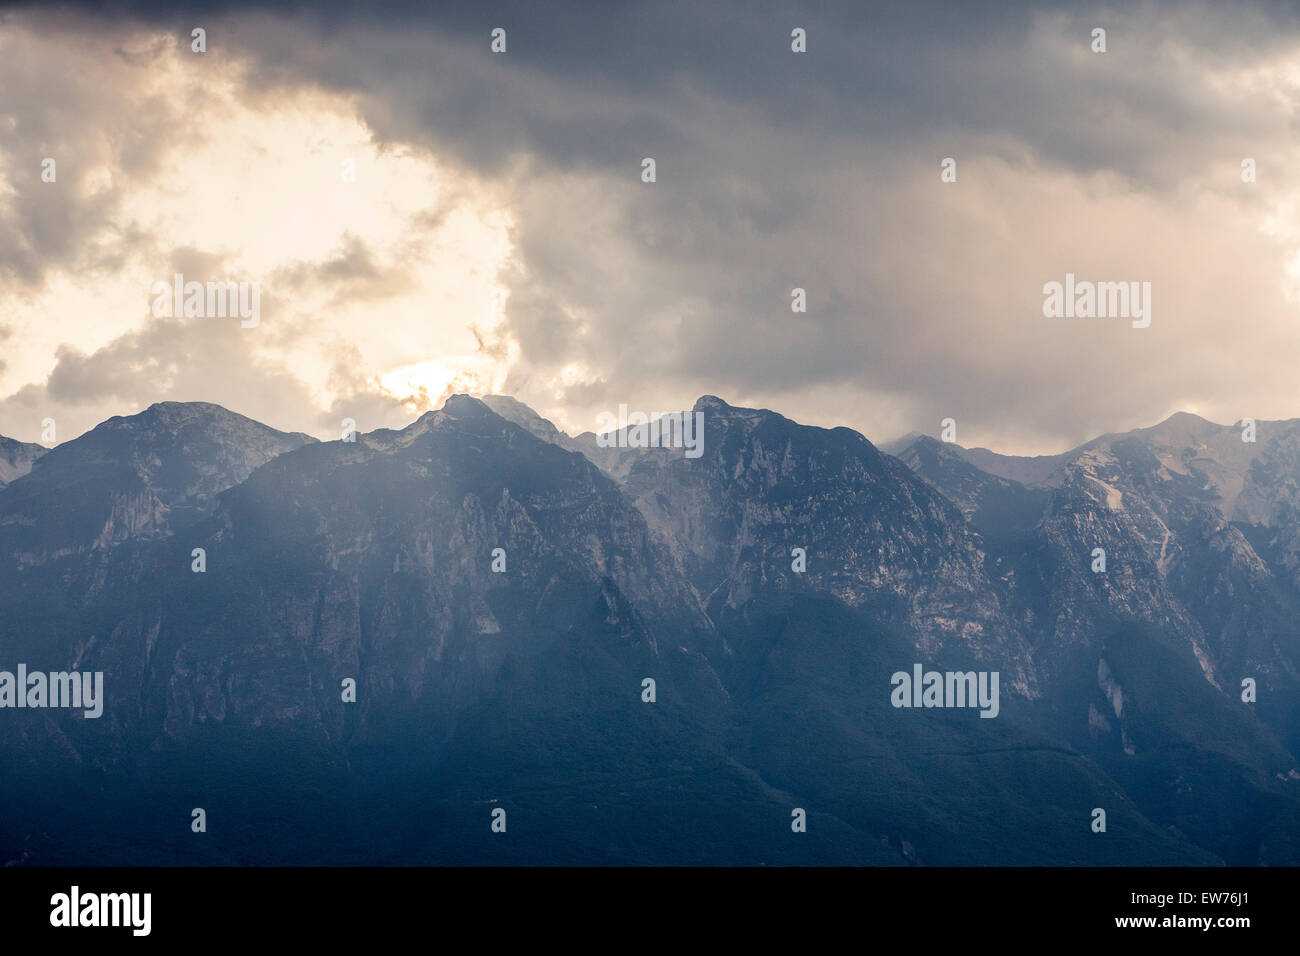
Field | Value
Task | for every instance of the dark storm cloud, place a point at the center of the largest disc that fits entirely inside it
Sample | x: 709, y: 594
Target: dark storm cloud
x: 70, y: 108
x: 821, y: 171
x: 872, y: 68
x: 778, y: 170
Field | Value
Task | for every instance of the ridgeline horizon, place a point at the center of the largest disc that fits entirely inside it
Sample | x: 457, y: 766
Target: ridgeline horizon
x: 900, y: 441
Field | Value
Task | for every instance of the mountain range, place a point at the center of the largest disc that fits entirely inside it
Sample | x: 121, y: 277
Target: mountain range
x: 499, y: 593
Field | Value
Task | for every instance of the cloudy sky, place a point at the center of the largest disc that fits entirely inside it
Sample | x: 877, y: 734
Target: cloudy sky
x: 498, y: 236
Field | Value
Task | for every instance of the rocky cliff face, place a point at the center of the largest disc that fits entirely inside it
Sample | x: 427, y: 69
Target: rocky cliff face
x: 16, y: 458
x: 870, y: 533
x: 1197, y: 526
x: 500, y: 601
x: 1175, y: 509
x: 132, y: 478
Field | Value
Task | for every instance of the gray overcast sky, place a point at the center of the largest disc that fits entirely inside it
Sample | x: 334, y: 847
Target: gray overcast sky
x: 498, y: 236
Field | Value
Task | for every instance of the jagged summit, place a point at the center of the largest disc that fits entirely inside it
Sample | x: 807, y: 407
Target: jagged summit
x: 901, y: 443
x: 1034, y: 469
x: 1187, y: 418
x: 17, y: 458
x: 707, y: 402
x: 136, y: 476
x: 511, y: 409
x: 462, y: 405
x: 500, y: 602
x: 159, y: 417
x: 711, y: 404
x: 187, y: 409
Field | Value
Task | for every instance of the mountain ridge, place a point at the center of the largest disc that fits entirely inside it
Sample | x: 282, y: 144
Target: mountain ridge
x: 500, y: 600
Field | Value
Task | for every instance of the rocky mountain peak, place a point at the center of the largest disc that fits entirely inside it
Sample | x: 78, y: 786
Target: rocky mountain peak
x: 142, y: 475
x: 17, y: 458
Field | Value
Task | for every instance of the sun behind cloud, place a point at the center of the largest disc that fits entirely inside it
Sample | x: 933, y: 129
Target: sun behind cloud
x: 382, y: 247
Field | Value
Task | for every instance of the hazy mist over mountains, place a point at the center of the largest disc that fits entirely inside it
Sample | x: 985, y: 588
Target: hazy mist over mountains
x: 466, y: 457
x: 499, y: 591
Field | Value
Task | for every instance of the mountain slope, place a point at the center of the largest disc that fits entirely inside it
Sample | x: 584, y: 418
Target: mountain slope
x: 141, y: 476
x: 373, y: 561
x: 1183, y: 577
x: 1200, y: 523
x: 16, y: 458
x: 500, y: 601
